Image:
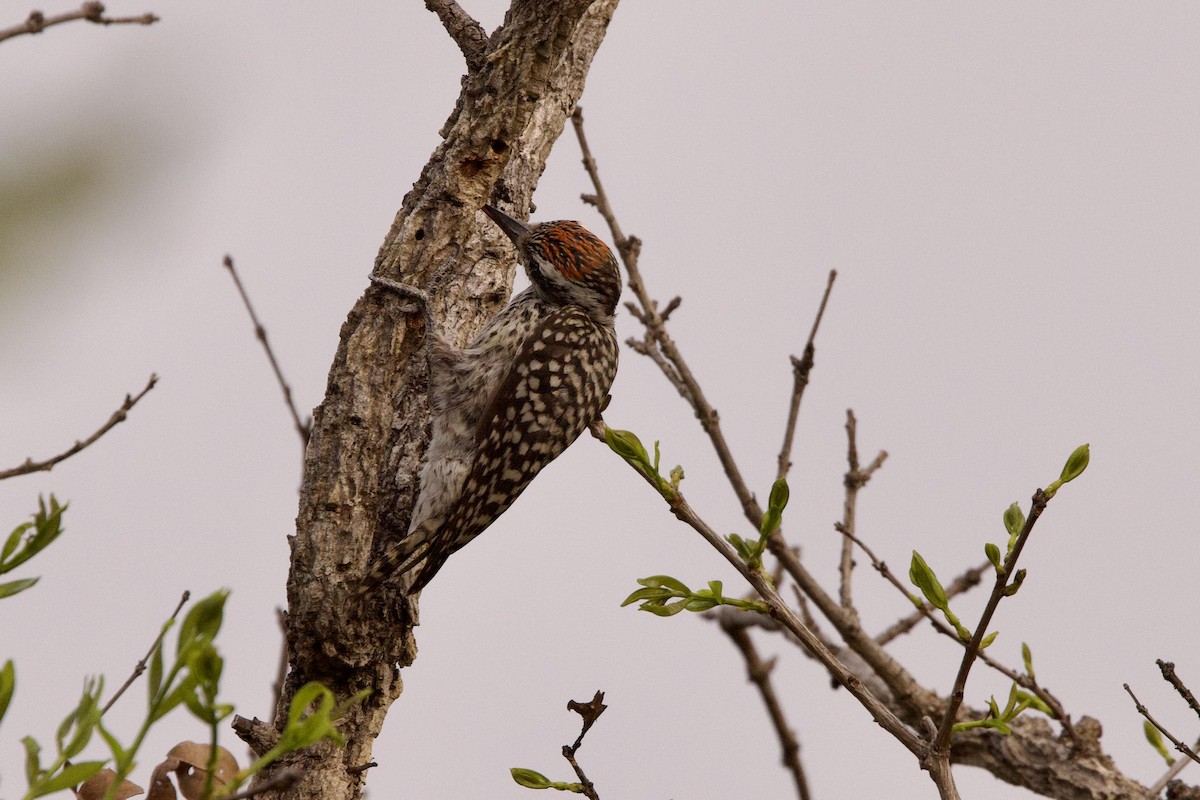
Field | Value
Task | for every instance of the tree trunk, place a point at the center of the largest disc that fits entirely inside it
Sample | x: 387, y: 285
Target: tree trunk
x: 360, y: 470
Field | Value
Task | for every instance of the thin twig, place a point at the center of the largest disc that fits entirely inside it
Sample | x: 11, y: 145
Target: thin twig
x: 464, y: 30
x: 925, y: 611
x: 1180, y: 746
x: 969, y: 579
x: 117, y: 416
x: 801, y: 367
x: 303, y: 428
x: 940, y: 748
x: 1171, y: 773
x: 759, y: 673
x: 590, y: 712
x: 787, y: 617
x: 1167, y: 668
x: 855, y: 479
x: 92, y: 12
x: 657, y: 337
x: 140, y: 667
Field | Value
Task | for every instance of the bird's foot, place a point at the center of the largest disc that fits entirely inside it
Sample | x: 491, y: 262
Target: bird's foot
x: 419, y: 299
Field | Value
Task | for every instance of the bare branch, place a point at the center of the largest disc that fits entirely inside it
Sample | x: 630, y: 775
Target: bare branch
x: 140, y: 667
x: 940, y: 749
x: 1167, y: 668
x: 117, y: 416
x: 657, y: 338
x: 855, y: 479
x: 759, y: 673
x: 92, y: 12
x: 783, y: 613
x: 969, y: 579
x: 1172, y: 772
x: 590, y: 711
x: 1141, y: 709
x: 801, y: 367
x: 303, y: 428
x: 464, y: 30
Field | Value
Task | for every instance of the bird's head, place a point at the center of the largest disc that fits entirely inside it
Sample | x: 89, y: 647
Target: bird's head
x: 566, y: 262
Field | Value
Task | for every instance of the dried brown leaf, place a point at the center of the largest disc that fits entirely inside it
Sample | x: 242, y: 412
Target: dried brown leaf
x: 95, y: 787
x: 161, y: 787
x: 189, y: 761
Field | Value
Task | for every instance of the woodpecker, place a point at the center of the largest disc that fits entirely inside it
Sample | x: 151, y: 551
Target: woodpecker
x: 513, y: 399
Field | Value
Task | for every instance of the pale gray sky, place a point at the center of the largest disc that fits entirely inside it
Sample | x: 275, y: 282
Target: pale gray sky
x: 1008, y: 191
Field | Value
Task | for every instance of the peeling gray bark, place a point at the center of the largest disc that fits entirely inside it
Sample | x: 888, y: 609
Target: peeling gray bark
x: 369, y: 432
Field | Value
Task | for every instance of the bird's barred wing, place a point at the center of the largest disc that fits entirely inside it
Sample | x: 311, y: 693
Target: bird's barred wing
x: 556, y: 387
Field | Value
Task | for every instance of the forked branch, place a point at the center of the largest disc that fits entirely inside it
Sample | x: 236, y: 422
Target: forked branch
x: 117, y: 417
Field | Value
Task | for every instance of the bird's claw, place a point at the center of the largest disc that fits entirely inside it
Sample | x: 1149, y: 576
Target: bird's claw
x: 420, y: 300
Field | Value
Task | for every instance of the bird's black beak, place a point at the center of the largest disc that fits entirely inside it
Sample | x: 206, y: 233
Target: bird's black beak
x: 515, y: 230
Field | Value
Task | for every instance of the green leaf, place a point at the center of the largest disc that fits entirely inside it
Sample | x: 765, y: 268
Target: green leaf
x: 701, y: 604
x: 8, y: 684
x: 529, y: 778
x: 71, y: 775
x: 647, y: 593
x: 1156, y: 741
x: 33, y: 763
x: 740, y: 546
x: 122, y: 758
x: 84, y: 719
x: 993, y: 555
x: 203, y: 621
x: 923, y: 577
x: 206, y: 664
x: 716, y: 587
x: 1015, y: 586
x: 1076, y: 463
x: 987, y: 640
x: 1027, y: 657
x: 1035, y: 702
x: 770, y: 521
x: 180, y: 694
x: 627, y: 446
x: 1014, y: 520
x: 656, y: 581
x: 664, y: 610
x: 10, y: 544
x: 154, y: 680
x: 310, y: 718
x: 779, y: 495
x: 13, y: 587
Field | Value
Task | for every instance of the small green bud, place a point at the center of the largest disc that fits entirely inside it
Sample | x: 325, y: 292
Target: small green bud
x: 1076, y: 464
x: 1027, y: 657
x: 770, y: 521
x: 1014, y: 520
x: 779, y: 495
x: 1156, y: 741
x: 987, y: 640
x: 1015, y: 586
x: 626, y: 445
x: 993, y: 555
x: 676, y: 477
x: 923, y: 577
x: 529, y: 778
